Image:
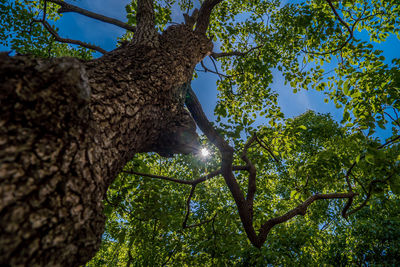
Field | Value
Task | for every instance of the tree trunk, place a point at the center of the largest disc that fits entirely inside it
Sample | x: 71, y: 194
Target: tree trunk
x: 67, y: 127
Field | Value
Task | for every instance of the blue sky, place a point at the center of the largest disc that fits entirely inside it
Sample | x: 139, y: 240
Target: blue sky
x: 79, y: 27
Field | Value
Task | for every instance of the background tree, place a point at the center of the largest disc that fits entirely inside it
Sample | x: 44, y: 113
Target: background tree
x: 69, y: 126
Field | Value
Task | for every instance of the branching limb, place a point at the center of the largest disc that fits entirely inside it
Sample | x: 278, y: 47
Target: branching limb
x: 345, y: 214
x: 349, y: 29
x: 65, y: 7
x: 203, y: 19
x: 244, y: 209
x: 299, y: 210
x: 340, y: 19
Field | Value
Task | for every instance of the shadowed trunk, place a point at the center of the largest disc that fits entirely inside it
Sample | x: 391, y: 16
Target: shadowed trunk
x: 67, y: 127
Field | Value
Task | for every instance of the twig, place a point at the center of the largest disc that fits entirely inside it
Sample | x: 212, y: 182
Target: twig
x: 201, y: 223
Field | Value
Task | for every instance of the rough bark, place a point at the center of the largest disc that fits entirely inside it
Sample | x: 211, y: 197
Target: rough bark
x: 67, y: 127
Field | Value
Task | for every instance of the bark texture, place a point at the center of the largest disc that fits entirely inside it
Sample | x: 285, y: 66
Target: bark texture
x: 67, y: 127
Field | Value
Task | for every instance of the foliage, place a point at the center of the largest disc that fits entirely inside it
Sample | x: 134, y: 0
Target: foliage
x: 145, y: 215
x: 22, y: 35
x: 329, y: 46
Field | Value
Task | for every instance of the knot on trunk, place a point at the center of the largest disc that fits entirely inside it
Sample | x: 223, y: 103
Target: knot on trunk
x: 180, y: 135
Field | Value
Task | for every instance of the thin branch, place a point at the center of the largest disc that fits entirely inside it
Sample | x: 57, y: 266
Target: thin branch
x: 394, y: 139
x: 188, y: 182
x: 358, y: 181
x: 233, y: 53
x: 394, y: 120
x: 65, y: 7
x: 188, y: 206
x: 351, y: 32
x: 201, y: 223
x: 184, y: 224
x: 212, y: 71
x: 69, y: 41
x: 265, y: 146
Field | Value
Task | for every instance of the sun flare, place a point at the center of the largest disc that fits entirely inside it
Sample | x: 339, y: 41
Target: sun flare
x: 204, y: 152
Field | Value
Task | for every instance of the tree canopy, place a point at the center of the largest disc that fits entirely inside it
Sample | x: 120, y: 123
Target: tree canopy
x: 277, y: 190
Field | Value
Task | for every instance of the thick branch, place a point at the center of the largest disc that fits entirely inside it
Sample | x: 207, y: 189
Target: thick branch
x: 146, y: 32
x: 65, y: 7
x: 145, y: 13
x: 226, y: 151
x: 69, y: 41
x: 299, y: 210
x: 251, y: 188
x: 203, y: 19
